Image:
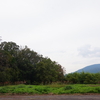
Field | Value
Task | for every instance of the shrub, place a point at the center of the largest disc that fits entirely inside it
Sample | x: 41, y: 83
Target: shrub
x: 98, y: 89
x: 3, y: 90
x: 68, y: 88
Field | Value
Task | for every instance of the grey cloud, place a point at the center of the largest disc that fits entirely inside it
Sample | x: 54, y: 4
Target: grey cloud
x: 88, y: 51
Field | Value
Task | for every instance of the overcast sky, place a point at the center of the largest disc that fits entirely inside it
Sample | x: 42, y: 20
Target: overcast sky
x: 67, y: 31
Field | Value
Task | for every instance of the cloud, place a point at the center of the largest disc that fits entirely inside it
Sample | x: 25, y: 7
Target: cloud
x: 89, y: 51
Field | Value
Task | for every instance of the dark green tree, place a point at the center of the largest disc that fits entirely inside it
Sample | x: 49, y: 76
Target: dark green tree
x: 26, y: 62
x: 48, y: 71
x: 23, y: 64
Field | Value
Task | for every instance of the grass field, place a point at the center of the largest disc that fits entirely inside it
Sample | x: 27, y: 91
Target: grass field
x: 50, y: 89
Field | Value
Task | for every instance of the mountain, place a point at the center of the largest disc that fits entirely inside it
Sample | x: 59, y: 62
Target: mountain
x: 95, y: 68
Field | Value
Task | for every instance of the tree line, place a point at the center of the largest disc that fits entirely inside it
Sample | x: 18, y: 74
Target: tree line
x: 22, y: 64
x: 83, y: 78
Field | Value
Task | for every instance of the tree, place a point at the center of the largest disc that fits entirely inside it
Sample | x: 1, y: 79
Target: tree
x: 26, y: 62
x: 48, y: 71
x: 8, y: 54
x: 23, y: 64
x: 5, y: 59
x: 10, y: 47
x: 73, y: 78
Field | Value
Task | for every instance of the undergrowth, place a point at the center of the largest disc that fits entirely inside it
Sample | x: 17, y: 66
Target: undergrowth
x: 50, y: 89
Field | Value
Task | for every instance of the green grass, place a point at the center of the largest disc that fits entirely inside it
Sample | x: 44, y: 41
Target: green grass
x: 50, y: 89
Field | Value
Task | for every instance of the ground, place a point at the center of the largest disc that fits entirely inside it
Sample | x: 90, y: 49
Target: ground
x: 52, y: 97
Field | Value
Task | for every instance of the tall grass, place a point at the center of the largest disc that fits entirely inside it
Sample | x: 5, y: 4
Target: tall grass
x: 50, y: 89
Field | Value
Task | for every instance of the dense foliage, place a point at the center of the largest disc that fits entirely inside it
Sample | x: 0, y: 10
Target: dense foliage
x: 83, y: 78
x: 23, y: 64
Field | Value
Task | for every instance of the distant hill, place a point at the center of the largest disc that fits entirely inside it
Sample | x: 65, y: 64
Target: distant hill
x: 91, y: 69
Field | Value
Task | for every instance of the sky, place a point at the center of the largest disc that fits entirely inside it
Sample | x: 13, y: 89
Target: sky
x: 67, y: 31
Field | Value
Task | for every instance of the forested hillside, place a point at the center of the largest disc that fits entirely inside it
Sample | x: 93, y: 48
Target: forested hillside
x: 95, y: 68
x: 23, y: 64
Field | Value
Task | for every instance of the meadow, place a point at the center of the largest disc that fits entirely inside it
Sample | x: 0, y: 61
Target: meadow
x: 50, y: 89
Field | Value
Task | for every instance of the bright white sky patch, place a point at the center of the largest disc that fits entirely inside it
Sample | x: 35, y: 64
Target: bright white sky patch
x: 67, y: 31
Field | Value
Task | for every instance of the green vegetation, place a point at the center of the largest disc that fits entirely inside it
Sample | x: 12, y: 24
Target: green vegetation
x: 24, y: 66
x: 21, y: 65
x: 50, y: 89
x: 82, y: 78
